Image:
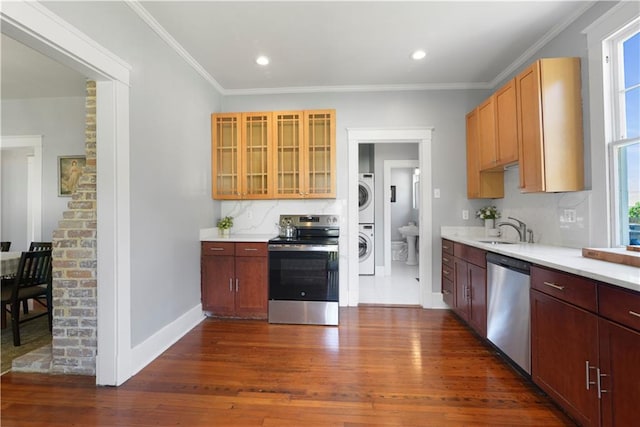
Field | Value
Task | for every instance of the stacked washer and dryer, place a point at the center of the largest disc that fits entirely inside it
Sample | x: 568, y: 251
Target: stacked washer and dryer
x: 366, y: 235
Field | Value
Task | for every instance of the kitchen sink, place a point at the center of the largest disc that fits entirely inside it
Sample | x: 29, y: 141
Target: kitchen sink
x: 496, y: 242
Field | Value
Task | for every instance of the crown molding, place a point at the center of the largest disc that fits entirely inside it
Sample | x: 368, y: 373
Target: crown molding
x: 357, y: 88
x: 173, y: 43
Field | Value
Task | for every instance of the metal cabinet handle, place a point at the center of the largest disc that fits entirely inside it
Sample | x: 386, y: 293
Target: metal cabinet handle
x: 216, y: 249
x: 445, y: 272
x: 633, y: 313
x: 230, y: 284
x: 553, y: 285
x: 250, y: 249
x: 237, y: 280
x: 588, y: 375
x: 600, y: 389
x: 446, y: 292
x: 445, y: 259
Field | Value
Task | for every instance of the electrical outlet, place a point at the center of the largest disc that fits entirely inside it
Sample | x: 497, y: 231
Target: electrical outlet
x: 465, y: 214
x: 249, y: 214
x: 436, y: 193
x: 569, y: 215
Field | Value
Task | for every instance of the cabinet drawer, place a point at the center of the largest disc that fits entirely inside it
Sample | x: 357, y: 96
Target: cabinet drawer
x: 470, y: 254
x: 218, y: 248
x: 447, y: 292
x: 447, y: 247
x: 251, y: 249
x: 447, y: 259
x: 567, y: 287
x: 619, y: 305
x: 447, y: 272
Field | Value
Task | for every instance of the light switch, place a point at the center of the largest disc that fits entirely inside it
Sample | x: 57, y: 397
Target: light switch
x: 436, y: 193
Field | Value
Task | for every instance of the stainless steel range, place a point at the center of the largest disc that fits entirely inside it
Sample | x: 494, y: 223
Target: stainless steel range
x: 303, y: 270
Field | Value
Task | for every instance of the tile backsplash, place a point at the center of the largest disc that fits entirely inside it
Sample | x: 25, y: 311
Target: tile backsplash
x: 558, y: 219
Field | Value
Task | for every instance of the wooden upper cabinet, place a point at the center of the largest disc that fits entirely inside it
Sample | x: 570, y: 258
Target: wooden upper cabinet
x: 320, y: 154
x: 487, y: 134
x: 506, y: 124
x: 225, y: 155
x: 498, y: 129
x: 305, y: 154
x: 288, y: 153
x: 274, y: 155
x: 256, y: 156
x: 241, y: 156
x: 490, y: 184
x: 550, y: 126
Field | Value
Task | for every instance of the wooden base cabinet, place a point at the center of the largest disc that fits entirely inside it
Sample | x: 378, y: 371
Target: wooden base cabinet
x: 469, y: 285
x: 234, y: 279
x: 585, y: 347
x: 564, y: 349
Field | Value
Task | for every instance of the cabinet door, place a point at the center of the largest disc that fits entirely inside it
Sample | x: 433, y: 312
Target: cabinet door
x: 461, y: 285
x: 320, y: 156
x: 620, y: 365
x: 530, y: 129
x: 564, y: 355
x: 288, y: 154
x: 506, y: 124
x: 257, y: 159
x: 218, y: 294
x: 226, y: 155
x: 480, y: 184
x: 477, y: 277
x: 487, y: 134
x: 251, y: 287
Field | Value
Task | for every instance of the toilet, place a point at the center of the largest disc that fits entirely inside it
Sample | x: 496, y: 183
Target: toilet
x: 399, y: 250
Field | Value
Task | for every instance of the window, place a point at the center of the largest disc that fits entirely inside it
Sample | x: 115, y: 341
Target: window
x: 622, y: 74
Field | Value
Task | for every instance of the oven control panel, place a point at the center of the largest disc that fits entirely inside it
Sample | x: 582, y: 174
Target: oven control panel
x: 310, y: 221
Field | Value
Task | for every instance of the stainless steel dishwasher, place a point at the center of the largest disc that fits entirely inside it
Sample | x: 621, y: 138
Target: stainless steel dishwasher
x: 508, y: 309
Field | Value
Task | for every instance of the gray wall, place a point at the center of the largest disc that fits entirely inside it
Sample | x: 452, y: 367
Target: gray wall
x: 170, y: 107
x: 60, y: 121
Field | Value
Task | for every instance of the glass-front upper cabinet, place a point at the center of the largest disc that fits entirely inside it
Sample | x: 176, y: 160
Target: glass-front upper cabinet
x: 241, y: 156
x: 320, y: 154
x: 225, y: 155
x: 288, y: 154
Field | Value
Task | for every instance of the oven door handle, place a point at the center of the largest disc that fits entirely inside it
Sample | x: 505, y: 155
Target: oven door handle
x: 302, y: 248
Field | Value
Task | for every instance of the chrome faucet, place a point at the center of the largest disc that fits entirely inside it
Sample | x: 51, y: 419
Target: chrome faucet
x: 521, y: 228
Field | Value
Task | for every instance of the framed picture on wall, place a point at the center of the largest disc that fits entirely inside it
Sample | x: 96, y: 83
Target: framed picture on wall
x: 69, y: 173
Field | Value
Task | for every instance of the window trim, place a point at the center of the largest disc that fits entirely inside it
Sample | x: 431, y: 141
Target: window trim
x: 615, y: 122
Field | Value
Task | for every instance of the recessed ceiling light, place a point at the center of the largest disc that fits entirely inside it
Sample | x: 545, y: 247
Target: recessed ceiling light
x: 262, y: 60
x: 418, y: 54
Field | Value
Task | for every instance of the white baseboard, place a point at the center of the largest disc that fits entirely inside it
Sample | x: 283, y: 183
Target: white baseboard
x: 437, y: 301
x: 145, y: 352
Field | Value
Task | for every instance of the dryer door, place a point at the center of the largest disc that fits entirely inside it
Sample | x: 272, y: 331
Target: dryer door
x: 364, y: 247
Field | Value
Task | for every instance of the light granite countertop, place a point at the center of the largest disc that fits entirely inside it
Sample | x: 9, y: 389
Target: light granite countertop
x: 569, y: 260
x: 211, y: 235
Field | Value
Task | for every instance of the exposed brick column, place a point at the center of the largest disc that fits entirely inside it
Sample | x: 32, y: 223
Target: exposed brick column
x: 74, y: 344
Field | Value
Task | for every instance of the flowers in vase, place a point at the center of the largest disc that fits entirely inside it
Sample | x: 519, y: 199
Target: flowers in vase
x: 488, y: 212
x: 225, y: 223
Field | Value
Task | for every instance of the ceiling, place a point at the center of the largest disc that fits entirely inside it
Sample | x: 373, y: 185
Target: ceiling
x: 328, y: 45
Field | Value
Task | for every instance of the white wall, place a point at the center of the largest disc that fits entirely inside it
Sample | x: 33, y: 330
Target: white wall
x: 170, y: 107
x: 60, y: 121
x: 14, y: 200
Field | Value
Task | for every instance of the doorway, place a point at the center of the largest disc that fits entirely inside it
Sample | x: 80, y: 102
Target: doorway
x: 421, y: 136
x: 34, y: 26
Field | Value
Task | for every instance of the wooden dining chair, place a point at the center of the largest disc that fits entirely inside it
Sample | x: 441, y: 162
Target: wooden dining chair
x: 40, y: 246
x: 33, y: 280
x: 5, y: 246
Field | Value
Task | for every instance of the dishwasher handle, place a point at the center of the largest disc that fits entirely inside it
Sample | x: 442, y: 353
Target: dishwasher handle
x: 518, y: 265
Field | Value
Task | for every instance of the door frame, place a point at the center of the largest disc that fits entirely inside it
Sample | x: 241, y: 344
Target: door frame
x: 422, y: 136
x: 39, y: 28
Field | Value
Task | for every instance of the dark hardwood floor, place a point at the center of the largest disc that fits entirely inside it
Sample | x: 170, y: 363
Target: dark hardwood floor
x: 380, y: 367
